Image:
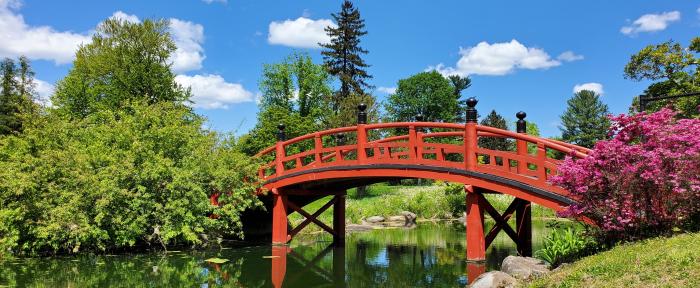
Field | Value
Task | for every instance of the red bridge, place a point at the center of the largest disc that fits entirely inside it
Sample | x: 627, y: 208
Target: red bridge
x: 309, y: 167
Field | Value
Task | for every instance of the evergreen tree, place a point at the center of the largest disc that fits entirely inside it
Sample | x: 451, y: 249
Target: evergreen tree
x: 495, y: 143
x: 342, y: 55
x: 124, y: 62
x: 585, y: 120
x: 9, y: 108
x: 460, y: 84
x: 26, y: 79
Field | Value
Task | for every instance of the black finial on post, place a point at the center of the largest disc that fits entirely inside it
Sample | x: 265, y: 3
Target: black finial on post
x: 419, y: 117
x: 471, y: 111
x: 340, y: 140
x: 521, y: 126
x: 361, y: 114
x: 280, y: 132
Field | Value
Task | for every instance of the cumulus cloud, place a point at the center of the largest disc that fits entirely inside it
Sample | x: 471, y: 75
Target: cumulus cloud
x: 569, y: 56
x: 36, y: 42
x: 301, y: 33
x: 44, y: 90
x: 498, y: 59
x: 120, y: 15
x: 387, y: 90
x: 213, y: 92
x: 651, y: 23
x: 592, y: 86
x: 188, y: 38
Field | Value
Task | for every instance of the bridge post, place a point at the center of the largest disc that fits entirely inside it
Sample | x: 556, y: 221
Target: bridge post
x: 523, y: 214
x: 339, y: 219
x: 280, y: 234
x: 476, y: 242
x: 470, y: 143
x: 361, y: 133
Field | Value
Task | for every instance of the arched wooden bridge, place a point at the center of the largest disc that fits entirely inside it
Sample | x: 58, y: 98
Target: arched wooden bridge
x: 306, y: 168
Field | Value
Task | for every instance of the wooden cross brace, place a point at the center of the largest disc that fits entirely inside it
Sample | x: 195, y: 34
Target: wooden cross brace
x: 312, y: 218
x: 501, y: 220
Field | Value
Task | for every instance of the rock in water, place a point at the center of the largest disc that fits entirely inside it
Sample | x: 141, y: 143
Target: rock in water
x: 375, y: 219
x: 410, y: 216
x: 398, y: 218
x: 525, y: 268
x: 494, y: 279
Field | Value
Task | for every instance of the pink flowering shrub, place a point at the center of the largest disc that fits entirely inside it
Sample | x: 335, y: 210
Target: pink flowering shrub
x: 642, y: 182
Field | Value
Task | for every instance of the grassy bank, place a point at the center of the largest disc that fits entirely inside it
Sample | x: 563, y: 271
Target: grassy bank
x: 661, y: 262
x: 428, y: 202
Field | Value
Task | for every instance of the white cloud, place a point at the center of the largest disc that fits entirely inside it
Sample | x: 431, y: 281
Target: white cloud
x: 120, y: 15
x: 212, y: 1
x: 651, y: 23
x: 188, y: 38
x: 213, y: 92
x: 498, y: 59
x: 569, y: 56
x: 36, y: 42
x: 302, y: 32
x: 592, y: 86
x: 44, y: 90
x: 387, y: 90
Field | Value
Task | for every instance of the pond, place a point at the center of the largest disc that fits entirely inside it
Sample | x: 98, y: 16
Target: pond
x: 429, y: 255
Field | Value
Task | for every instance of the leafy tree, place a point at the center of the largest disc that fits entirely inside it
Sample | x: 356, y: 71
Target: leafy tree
x: 585, y: 120
x: 124, y: 62
x: 495, y: 143
x: 426, y: 93
x: 641, y: 183
x: 675, y: 68
x: 264, y: 134
x: 342, y: 55
x: 117, y: 179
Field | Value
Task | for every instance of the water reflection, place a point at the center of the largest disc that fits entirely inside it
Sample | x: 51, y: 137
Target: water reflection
x: 430, y: 255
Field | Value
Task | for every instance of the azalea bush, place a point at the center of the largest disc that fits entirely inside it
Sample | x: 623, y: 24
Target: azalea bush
x: 644, y: 181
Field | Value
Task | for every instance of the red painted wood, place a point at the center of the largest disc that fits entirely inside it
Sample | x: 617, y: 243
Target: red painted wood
x: 476, y: 246
x: 279, y: 218
x: 470, y: 145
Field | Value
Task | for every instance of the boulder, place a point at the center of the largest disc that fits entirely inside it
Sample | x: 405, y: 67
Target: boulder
x: 374, y: 219
x: 397, y: 218
x: 525, y: 268
x: 494, y: 279
x: 410, y: 216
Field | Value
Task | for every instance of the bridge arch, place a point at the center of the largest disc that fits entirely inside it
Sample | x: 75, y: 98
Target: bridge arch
x: 300, y: 170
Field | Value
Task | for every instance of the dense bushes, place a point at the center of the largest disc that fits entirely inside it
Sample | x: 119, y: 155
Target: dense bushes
x: 141, y: 175
x: 645, y: 181
x: 565, y: 245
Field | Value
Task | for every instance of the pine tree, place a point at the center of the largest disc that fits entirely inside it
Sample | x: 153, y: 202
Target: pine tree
x: 10, y: 121
x: 460, y: 84
x: 585, y: 120
x: 25, y: 85
x: 495, y: 120
x: 342, y: 55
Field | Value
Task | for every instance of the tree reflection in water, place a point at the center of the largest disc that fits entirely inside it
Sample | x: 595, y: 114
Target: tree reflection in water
x: 428, y: 255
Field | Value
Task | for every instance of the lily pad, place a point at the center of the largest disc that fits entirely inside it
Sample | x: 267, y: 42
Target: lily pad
x: 216, y: 260
x: 271, y: 257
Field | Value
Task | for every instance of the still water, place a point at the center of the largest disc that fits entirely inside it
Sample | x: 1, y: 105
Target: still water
x: 430, y: 255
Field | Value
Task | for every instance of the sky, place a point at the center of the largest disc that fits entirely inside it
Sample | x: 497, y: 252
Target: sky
x: 521, y: 55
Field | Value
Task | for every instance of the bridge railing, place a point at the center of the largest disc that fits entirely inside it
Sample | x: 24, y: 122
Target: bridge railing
x: 446, y: 145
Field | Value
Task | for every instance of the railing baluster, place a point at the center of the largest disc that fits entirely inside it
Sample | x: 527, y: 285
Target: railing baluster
x: 318, y: 146
x: 541, y: 159
x: 419, y: 146
x: 470, y: 144
x: 412, y: 142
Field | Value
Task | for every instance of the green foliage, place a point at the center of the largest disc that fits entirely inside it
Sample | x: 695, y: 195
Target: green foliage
x: 342, y: 56
x: 117, y: 179
x: 565, y: 245
x: 264, y: 134
x: 16, y: 95
x: 675, y: 68
x: 426, y: 93
x: 585, y: 120
x: 495, y: 143
x: 124, y: 62
x: 460, y: 84
x: 456, y: 198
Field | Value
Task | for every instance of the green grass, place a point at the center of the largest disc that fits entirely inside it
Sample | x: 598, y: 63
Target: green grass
x: 660, y: 262
x: 428, y: 202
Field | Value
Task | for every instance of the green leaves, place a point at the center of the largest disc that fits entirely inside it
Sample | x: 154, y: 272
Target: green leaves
x: 564, y: 245
x: 585, y: 120
x: 426, y: 93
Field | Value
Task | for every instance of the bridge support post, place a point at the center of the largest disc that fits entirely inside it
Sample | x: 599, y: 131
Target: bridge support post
x: 476, y: 243
x: 523, y: 227
x: 339, y: 219
x: 280, y: 231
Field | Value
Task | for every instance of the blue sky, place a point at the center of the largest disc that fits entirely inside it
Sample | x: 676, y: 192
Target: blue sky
x: 521, y: 55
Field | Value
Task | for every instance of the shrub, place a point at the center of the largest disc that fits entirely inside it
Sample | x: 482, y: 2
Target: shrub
x: 565, y: 245
x: 643, y: 182
x: 115, y: 179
